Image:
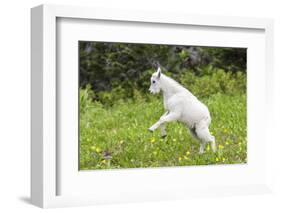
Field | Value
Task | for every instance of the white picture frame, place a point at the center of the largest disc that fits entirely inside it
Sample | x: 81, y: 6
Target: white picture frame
x: 45, y: 178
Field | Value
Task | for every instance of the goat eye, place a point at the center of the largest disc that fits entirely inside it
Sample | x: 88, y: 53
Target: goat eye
x: 153, y: 82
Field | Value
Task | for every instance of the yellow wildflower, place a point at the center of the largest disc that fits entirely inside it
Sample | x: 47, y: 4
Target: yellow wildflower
x: 180, y: 158
x: 174, y: 140
x: 152, y: 140
x: 103, y: 161
x: 221, y: 146
x: 121, y: 142
x: 98, y: 150
x: 185, y: 157
x: 187, y: 153
x: 217, y: 159
x: 226, y: 143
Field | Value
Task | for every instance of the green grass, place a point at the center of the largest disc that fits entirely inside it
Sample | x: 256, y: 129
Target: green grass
x: 117, y: 136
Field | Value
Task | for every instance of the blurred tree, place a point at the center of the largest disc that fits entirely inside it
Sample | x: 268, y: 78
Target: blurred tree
x: 129, y: 66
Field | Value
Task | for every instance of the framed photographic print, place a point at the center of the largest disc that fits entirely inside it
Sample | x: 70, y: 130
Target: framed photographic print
x: 130, y: 106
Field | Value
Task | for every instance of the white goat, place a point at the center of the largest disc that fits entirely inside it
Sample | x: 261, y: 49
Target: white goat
x: 181, y: 105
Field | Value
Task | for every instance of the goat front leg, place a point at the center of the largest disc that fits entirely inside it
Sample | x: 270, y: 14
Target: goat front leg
x: 162, y: 127
x: 163, y: 130
x: 172, y: 116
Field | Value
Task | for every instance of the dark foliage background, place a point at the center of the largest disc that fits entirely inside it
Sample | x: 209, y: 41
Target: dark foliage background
x: 125, y: 69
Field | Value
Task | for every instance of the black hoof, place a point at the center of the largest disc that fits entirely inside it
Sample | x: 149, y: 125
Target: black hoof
x: 163, y: 136
x: 149, y: 130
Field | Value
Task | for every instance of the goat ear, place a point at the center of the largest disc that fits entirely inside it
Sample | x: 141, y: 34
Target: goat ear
x: 158, y: 72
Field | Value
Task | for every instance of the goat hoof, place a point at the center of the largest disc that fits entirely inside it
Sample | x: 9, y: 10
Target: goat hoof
x: 163, y: 136
x: 201, y: 152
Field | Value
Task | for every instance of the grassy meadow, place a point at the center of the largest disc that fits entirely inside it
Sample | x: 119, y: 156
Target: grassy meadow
x: 117, y: 136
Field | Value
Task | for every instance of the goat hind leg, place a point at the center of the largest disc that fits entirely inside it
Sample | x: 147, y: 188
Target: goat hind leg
x: 205, y: 137
x: 202, y: 147
x: 193, y: 132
